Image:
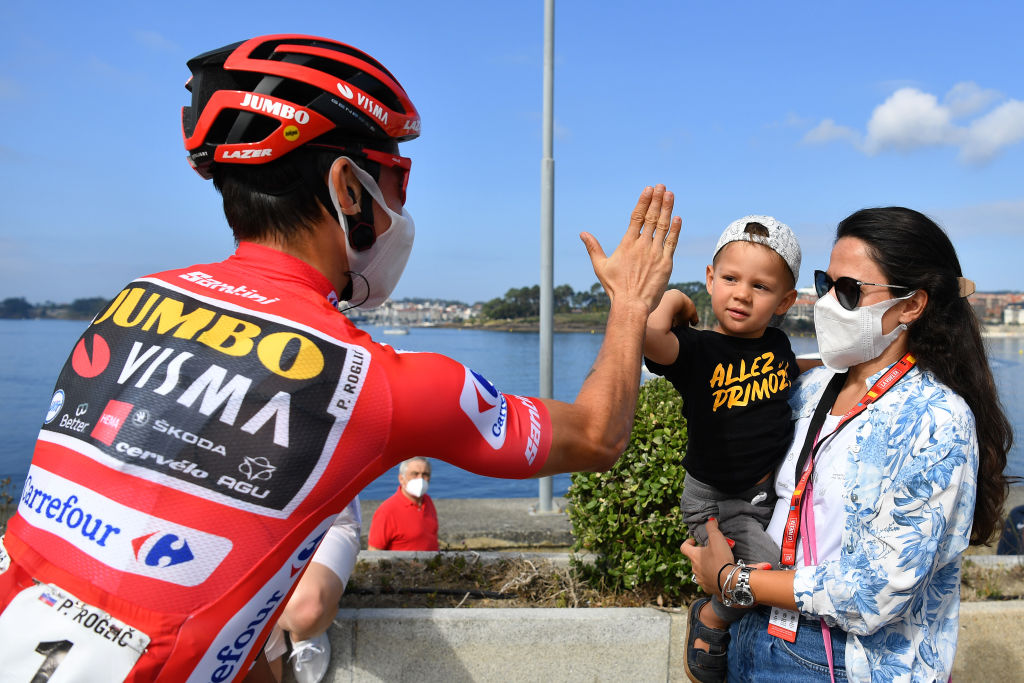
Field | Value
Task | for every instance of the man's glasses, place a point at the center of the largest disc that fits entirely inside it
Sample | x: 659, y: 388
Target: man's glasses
x: 847, y: 289
x: 401, y: 164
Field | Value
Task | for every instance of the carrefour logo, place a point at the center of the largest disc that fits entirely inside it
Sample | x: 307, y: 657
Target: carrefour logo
x: 162, y: 550
x: 486, y: 407
x: 119, y: 536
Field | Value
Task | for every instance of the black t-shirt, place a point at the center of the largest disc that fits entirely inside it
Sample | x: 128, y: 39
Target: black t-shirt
x: 735, y: 393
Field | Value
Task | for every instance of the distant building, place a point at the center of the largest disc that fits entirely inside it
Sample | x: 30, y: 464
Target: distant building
x: 1013, y: 314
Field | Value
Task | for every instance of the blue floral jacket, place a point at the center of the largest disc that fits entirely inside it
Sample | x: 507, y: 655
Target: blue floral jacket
x: 910, y: 487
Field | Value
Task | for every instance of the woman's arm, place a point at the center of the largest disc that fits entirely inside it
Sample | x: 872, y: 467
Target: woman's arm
x: 770, y: 587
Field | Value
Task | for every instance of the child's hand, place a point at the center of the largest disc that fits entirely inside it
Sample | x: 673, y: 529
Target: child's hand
x: 680, y: 307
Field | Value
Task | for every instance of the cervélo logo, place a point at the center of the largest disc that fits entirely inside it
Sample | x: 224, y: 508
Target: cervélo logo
x: 486, y: 407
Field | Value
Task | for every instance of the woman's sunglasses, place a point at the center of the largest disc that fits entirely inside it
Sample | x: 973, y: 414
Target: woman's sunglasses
x: 847, y: 289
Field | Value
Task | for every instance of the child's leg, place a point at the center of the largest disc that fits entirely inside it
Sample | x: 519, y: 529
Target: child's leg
x: 743, y: 519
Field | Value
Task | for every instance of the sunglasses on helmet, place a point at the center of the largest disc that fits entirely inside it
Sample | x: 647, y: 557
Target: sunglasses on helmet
x: 847, y: 289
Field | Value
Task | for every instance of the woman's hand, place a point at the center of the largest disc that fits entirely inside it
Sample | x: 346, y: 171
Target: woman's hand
x: 708, y: 560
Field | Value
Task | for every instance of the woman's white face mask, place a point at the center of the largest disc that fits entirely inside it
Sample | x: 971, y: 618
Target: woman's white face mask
x: 848, y: 338
x: 382, y: 264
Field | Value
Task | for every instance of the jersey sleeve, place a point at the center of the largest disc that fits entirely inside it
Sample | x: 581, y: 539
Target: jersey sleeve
x: 443, y: 409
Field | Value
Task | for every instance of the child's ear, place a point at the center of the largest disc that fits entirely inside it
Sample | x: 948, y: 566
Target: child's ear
x: 786, y: 302
x: 709, y: 278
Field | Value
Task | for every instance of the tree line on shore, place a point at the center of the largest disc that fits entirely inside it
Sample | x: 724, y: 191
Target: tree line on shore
x: 18, y: 308
x: 518, y: 303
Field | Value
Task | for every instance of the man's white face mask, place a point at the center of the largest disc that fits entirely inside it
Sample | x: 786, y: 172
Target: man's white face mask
x: 380, y: 266
x: 848, y: 338
x: 416, y: 487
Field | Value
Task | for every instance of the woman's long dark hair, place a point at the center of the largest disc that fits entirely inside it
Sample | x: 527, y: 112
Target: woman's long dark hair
x: 912, y: 251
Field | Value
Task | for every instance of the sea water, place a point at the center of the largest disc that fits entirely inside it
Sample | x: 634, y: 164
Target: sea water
x: 33, y: 352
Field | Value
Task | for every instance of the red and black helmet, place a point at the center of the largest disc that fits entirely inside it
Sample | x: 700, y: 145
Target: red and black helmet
x: 257, y: 100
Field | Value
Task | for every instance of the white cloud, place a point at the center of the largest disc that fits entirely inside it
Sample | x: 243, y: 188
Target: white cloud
x: 828, y: 130
x: 911, y: 119
x: 967, y: 98
x: 1001, y: 127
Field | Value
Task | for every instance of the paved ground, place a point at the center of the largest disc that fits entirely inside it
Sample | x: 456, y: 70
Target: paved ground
x: 497, y: 523
x: 502, y: 523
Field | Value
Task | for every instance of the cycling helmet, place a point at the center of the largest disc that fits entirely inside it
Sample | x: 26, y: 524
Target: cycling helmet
x: 257, y: 100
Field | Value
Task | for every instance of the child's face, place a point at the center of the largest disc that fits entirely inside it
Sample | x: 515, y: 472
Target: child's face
x: 748, y: 284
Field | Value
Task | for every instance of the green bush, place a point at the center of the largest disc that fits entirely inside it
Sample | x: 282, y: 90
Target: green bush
x: 629, y: 516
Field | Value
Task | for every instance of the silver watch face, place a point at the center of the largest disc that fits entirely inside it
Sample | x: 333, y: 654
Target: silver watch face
x: 742, y: 594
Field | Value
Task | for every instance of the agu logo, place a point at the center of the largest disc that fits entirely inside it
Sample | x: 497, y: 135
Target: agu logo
x: 87, y: 365
x: 486, y: 407
x: 162, y: 550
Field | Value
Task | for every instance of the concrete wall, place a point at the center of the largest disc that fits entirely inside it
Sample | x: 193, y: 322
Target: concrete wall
x: 605, y: 644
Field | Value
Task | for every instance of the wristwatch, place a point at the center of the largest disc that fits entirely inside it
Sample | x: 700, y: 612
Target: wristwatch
x: 742, y: 596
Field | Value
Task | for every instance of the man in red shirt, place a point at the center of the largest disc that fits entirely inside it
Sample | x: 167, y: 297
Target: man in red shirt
x: 408, y: 519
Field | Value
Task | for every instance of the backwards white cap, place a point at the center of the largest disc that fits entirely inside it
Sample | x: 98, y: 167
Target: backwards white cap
x: 780, y: 239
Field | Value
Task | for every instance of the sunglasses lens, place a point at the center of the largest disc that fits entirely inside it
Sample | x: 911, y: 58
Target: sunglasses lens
x: 848, y: 292
x: 822, y: 283
x: 847, y: 289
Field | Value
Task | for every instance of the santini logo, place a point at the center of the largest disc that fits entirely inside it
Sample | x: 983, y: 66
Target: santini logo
x: 486, y: 407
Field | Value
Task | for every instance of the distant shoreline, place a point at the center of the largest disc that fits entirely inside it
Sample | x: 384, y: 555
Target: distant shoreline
x: 588, y: 325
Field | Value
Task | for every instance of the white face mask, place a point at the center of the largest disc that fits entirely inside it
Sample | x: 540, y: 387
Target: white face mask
x: 848, y: 338
x: 416, y: 487
x: 382, y: 264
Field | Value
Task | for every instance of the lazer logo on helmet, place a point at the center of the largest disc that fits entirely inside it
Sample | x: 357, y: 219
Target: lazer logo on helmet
x: 274, y: 107
x: 247, y: 154
x: 486, y: 407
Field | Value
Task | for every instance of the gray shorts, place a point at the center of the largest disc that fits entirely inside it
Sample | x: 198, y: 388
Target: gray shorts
x: 741, y: 517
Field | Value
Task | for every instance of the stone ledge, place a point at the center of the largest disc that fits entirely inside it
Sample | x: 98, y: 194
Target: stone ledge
x: 603, y: 644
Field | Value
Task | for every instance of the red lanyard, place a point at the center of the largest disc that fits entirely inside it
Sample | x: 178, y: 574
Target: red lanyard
x: 884, y: 383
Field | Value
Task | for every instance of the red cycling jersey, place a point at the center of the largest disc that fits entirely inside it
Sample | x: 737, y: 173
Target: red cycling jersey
x: 206, y: 429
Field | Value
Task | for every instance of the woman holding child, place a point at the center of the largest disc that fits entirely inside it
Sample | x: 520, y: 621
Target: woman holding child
x: 896, y: 466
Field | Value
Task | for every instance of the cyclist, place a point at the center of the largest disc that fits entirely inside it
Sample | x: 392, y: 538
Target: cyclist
x: 213, y: 420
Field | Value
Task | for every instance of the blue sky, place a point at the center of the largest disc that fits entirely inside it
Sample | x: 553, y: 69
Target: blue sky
x: 804, y: 110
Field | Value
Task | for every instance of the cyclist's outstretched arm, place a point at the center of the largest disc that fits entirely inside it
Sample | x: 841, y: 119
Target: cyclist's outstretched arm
x: 590, y: 433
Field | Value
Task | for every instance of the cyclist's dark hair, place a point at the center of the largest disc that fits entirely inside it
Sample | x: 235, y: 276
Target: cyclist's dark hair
x: 912, y: 251
x: 277, y: 199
